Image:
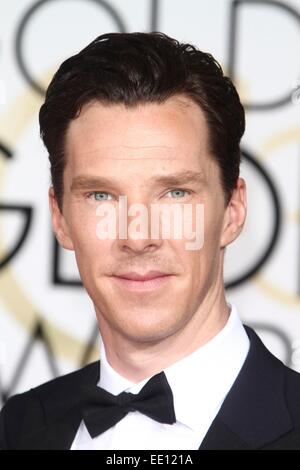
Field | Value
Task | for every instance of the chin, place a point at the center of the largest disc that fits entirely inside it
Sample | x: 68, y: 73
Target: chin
x: 148, y: 333
x: 141, y: 323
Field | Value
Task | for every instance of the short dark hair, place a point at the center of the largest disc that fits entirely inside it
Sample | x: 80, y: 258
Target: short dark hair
x: 136, y: 68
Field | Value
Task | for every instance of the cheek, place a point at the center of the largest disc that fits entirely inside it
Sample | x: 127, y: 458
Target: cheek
x: 89, y: 248
x: 83, y: 231
x: 200, y: 262
x: 202, y: 225
x: 213, y: 221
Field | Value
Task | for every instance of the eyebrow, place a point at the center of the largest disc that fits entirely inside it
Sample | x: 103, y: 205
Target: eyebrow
x: 85, y: 182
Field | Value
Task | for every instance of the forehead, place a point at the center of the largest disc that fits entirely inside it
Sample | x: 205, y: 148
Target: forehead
x: 170, y: 134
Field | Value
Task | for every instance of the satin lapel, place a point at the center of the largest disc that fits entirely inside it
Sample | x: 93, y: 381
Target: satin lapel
x: 254, y: 413
x: 220, y: 437
x: 61, y: 404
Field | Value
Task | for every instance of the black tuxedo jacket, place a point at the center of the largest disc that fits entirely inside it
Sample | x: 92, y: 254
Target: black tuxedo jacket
x: 261, y: 410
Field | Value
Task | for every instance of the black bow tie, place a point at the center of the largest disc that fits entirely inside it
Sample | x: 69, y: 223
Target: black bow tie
x: 102, y: 410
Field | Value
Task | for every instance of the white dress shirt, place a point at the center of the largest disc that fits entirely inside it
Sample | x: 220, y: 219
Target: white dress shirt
x: 199, y: 382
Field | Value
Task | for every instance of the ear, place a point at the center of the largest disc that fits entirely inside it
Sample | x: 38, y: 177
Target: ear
x: 235, y: 214
x: 59, y: 223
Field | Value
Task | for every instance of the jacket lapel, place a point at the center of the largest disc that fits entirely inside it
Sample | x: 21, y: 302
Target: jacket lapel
x: 254, y: 413
x: 62, y: 410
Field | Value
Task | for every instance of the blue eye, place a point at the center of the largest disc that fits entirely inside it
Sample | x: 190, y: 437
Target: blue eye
x: 179, y: 193
x: 100, y: 195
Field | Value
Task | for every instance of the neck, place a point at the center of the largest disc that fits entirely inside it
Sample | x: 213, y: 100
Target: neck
x: 137, y: 361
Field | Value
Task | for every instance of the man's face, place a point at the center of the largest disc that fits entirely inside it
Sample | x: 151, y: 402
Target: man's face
x: 130, y: 149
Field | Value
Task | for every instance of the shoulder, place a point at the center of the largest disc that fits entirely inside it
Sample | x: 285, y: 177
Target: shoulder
x: 30, y: 409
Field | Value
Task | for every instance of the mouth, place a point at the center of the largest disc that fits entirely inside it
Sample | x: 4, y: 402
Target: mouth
x: 137, y: 282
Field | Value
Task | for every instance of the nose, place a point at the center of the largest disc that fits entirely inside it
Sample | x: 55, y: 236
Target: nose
x: 137, y: 233
x: 139, y: 246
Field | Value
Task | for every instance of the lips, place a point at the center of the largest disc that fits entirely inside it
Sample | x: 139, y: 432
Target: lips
x: 139, y: 283
x: 134, y: 276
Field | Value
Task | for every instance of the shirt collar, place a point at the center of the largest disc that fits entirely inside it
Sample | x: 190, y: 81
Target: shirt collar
x: 199, y: 381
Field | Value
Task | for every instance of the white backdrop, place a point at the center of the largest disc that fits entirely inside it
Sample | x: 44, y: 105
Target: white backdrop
x: 47, y: 323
